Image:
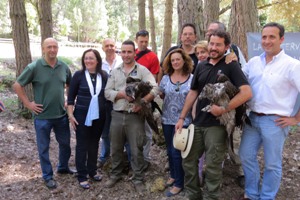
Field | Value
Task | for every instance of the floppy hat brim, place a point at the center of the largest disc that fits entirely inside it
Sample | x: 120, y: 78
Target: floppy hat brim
x: 186, y: 152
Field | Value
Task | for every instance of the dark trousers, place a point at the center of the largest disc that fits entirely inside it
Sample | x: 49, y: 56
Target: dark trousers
x: 87, y: 144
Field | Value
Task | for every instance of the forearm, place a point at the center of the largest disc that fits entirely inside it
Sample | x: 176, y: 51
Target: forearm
x: 20, y: 91
x: 242, y: 97
x: 189, y: 101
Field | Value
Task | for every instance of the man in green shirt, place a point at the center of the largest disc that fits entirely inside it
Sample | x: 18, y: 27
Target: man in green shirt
x: 49, y: 78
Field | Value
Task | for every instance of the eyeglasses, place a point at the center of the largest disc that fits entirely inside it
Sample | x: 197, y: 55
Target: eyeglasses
x: 142, y: 33
x: 177, y: 86
x: 89, y: 58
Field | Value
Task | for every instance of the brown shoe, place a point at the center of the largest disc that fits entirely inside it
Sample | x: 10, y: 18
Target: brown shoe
x: 111, y: 182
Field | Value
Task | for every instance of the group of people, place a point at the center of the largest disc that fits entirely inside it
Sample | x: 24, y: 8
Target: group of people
x: 97, y: 106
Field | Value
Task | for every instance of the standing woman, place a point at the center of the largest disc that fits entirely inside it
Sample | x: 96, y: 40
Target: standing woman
x: 87, y: 114
x: 175, y: 86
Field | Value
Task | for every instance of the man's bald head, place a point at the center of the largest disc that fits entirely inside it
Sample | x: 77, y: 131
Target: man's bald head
x: 109, y: 46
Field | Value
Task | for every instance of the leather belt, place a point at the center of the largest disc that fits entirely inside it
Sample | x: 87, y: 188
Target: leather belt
x: 124, y: 112
x: 263, y: 114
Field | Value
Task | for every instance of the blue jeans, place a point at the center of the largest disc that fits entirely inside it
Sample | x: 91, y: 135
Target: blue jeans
x: 263, y: 132
x: 61, y: 129
x: 105, y: 142
x: 174, y: 155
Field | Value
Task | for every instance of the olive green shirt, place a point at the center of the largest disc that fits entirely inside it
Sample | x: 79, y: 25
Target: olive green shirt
x: 48, y: 86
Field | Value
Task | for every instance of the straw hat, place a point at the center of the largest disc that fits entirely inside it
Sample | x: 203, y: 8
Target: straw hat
x: 183, y: 141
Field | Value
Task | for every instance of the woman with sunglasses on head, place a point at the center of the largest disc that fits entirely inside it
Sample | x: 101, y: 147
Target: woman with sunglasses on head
x: 174, y: 87
x: 86, y: 110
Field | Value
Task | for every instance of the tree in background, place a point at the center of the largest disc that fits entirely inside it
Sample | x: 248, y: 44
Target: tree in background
x: 142, y: 14
x: 211, y: 11
x: 45, y: 18
x: 190, y: 12
x: 152, y: 26
x: 167, y: 36
x: 243, y: 19
x: 17, y: 14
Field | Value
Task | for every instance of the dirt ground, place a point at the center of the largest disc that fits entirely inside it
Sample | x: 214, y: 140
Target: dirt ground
x: 20, y: 173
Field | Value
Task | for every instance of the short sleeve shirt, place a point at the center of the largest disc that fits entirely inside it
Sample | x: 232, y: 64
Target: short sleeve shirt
x: 207, y: 73
x: 48, y: 86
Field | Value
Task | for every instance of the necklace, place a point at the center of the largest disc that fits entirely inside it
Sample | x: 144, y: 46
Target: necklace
x: 93, y: 77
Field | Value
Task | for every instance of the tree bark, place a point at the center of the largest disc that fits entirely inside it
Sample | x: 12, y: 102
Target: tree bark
x: 142, y: 15
x: 167, y: 36
x: 191, y: 12
x: 243, y: 19
x: 45, y: 18
x: 152, y: 26
x: 211, y: 11
x: 21, y: 41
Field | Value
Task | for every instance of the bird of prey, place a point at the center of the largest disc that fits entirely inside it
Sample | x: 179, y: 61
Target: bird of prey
x: 138, y: 89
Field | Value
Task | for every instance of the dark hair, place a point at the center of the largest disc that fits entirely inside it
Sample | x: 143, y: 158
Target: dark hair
x: 189, y: 25
x: 275, y: 24
x: 129, y: 42
x: 99, y: 60
x: 187, y: 66
x: 221, y: 26
x: 142, y: 33
x: 221, y: 34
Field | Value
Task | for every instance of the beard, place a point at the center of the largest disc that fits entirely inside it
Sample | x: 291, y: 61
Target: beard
x: 216, y: 54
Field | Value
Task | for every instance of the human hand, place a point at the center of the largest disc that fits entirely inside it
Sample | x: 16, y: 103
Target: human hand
x: 230, y: 57
x: 35, y: 108
x: 217, y: 110
x: 286, y: 121
x: 179, y: 125
x: 73, y: 122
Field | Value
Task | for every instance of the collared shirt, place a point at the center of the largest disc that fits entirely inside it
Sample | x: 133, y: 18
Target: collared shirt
x: 117, y: 82
x: 275, y: 85
x: 107, y: 67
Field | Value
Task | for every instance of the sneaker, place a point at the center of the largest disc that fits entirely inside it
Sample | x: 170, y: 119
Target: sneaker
x: 51, y: 184
x: 111, y: 182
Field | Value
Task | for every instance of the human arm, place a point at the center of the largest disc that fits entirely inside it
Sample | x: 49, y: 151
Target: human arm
x: 243, y: 96
x: 189, y: 101
x: 31, y: 105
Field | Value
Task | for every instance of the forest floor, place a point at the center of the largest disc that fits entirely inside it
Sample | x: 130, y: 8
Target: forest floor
x: 20, y: 173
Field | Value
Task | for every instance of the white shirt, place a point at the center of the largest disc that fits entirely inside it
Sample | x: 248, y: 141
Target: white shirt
x: 106, y: 67
x: 275, y: 85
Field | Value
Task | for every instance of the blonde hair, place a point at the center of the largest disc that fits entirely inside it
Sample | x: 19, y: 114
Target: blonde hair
x: 202, y: 44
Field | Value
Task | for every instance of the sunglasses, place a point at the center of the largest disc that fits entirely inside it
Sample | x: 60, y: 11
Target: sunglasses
x: 177, y: 86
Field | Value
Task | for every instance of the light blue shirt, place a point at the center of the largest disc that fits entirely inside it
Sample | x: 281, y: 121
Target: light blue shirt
x: 174, y: 99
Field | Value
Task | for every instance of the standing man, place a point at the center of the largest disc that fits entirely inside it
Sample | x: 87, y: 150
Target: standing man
x: 149, y: 59
x: 188, y: 38
x: 49, y: 77
x: 126, y: 124
x: 110, y: 61
x: 236, y: 136
x: 275, y: 81
x: 210, y: 136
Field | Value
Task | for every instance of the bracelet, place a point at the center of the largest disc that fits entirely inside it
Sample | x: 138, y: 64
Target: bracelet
x: 183, y: 118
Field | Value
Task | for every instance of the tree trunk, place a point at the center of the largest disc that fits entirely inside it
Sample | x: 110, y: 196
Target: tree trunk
x: 142, y: 15
x: 45, y: 18
x: 243, y: 19
x: 152, y: 26
x: 211, y: 11
x: 190, y: 12
x: 21, y: 40
x: 167, y: 37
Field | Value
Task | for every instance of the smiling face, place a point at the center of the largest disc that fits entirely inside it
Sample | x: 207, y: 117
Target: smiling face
x: 177, y: 61
x: 127, y: 54
x: 216, y: 47
x: 201, y: 53
x: 90, y: 61
x: 271, y: 40
x: 109, y: 46
x: 50, y: 48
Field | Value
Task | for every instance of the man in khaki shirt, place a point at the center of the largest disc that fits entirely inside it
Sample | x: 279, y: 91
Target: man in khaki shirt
x: 126, y: 124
